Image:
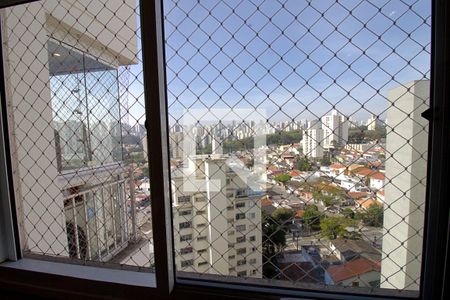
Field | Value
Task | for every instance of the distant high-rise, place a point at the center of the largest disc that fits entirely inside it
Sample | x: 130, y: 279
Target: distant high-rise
x: 335, y: 130
x: 406, y: 170
x: 373, y: 122
x: 313, y: 140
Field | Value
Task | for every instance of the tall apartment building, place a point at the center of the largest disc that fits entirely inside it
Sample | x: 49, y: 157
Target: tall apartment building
x: 335, y: 130
x: 312, y: 141
x: 217, y: 225
x: 405, y: 188
x: 176, y: 144
x: 69, y: 178
x: 373, y: 122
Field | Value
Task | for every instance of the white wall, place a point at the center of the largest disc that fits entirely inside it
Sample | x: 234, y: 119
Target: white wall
x: 25, y: 38
x: 404, y: 193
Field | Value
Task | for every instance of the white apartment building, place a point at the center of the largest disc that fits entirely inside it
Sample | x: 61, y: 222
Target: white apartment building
x: 313, y: 140
x: 405, y: 189
x: 335, y: 130
x: 176, y: 144
x: 63, y: 101
x: 373, y: 122
x: 217, y: 226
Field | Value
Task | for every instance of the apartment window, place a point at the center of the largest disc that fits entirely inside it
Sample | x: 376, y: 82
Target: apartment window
x: 201, y: 251
x: 184, y: 199
x: 185, y: 212
x: 240, y: 239
x: 241, y: 251
x: 232, y: 269
x: 230, y: 245
x: 200, y: 212
x: 231, y: 232
x: 242, y: 273
x: 187, y: 263
x: 186, y: 250
x: 231, y: 256
x: 201, y: 225
x: 184, y: 225
x: 240, y: 228
x: 322, y: 82
x: 252, y: 261
x: 202, y: 263
x: 241, y: 262
x: 240, y: 204
x: 200, y: 199
x: 186, y: 237
x: 240, y: 216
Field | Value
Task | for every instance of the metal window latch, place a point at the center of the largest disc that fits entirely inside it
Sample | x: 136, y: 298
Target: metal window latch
x: 427, y: 114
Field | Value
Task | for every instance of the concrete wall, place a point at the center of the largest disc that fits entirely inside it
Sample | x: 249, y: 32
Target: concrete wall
x: 406, y: 147
x: 90, y: 26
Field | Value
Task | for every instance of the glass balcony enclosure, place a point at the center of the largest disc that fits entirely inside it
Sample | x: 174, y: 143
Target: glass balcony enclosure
x: 86, y: 112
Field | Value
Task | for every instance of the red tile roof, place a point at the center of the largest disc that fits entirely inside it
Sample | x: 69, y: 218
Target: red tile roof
x: 299, y: 214
x: 364, y: 172
x: 366, y: 203
x: 337, y: 166
x: 352, y: 269
x: 295, y: 173
x: 266, y: 202
x: 357, y: 195
x: 378, y: 176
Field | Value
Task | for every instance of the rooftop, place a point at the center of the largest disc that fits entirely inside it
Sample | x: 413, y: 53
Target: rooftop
x: 352, y: 269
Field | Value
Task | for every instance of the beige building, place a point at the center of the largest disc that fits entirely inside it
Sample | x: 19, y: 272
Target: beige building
x: 217, y: 224
x: 404, y: 197
x: 313, y: 140
x: 335, y: 130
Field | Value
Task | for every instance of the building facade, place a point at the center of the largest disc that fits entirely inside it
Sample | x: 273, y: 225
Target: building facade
x: 217, y: 221
x: 335, y: 130
x: 313, y: 140
x: 69, y: 178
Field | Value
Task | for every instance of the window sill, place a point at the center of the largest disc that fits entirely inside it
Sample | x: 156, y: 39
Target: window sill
x: 85, y: 272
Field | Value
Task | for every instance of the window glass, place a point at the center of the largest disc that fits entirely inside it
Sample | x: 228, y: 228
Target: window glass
x: 299, y: 124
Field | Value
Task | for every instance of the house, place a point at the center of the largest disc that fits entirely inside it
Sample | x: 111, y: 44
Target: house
x: 377, y: 181
x: 347, y: 250
x: 359, y: 272
x: 365, y: 203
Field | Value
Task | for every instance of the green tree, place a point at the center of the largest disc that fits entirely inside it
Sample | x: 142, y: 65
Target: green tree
x: 348, y: 213
x: 334, y: 227
x: 311, y: 217
x: 303, y: 164
x: 328, y: 201
x: 274, y: 241
x: 325, y: 161
x: 283, y: 178
x: 282, y: 215
x: 373, y: 216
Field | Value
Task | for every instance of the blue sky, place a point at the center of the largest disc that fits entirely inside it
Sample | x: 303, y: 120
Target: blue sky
x: 292, y: 54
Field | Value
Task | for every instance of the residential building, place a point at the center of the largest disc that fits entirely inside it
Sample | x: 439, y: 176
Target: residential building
x: 217, y: 219
x: 373, y: 122
x: 71, y: 113
x: 312, y: 141
x: 360, y: 272
x: 335, y: 130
